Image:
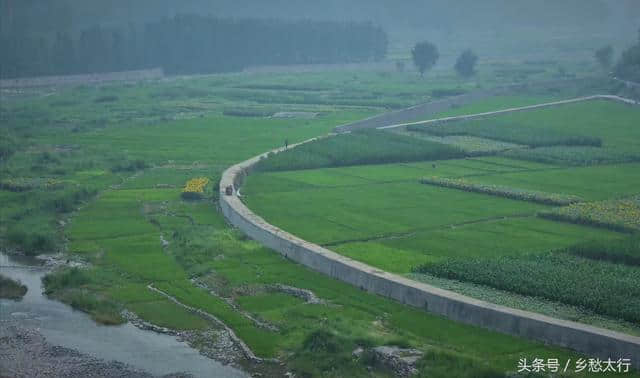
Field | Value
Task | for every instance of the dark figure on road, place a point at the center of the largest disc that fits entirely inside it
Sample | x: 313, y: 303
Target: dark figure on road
x: 286, y: 144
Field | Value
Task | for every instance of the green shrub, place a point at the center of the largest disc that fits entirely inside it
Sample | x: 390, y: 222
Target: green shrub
x: 362, y: 147
x: 603, y: 287
x: 618, y: 215
x: 129, y: 166
x: 69, y: 200
x: 31, y: 242
x: 323, y: 341
x: 10, y: 289
x: 65, y: 279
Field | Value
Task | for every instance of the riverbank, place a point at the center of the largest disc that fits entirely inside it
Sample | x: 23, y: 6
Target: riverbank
x: 50, y: 338
x: 24, y: 352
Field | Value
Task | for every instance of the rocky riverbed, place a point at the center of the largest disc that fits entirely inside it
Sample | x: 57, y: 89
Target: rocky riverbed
x: 24, y: 352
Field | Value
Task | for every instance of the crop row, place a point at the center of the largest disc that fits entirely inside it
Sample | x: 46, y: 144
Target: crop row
x: 619, y: 214
x: 573, y: 155
x: 625, y: 251
x: 504, y: 191
x: 603, y: 287
x: 472, y: 145
x: 492, y: 129
x: 357, y: 148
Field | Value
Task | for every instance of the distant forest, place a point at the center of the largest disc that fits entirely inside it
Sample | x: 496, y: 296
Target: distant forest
x: 186, y: 44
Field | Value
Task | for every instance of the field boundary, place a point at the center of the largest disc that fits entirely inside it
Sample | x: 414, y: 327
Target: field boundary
x: 590, y: 340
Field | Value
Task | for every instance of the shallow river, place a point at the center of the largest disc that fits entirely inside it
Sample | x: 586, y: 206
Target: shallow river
x: 61, y: 325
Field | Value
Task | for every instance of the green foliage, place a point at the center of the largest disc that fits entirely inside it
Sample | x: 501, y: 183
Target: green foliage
x: 70, y: 286
x: 573, y: 155
x: 425, y: 55
x: 68, y: 200
x: 606, y: 288
x: 625, y: 251
x: 503, y: 191
x: 466, y: 63
x: 628, y: 67
x: 618, y: 214
x: 11, y: 289
x: 65, y: 279
x: 361, y: 147
x: 604, y: 56
x: 512, y: 133
x: 323, y: 341
x: 443, y: 364
x: 129, y: 166
x: 31, y: 242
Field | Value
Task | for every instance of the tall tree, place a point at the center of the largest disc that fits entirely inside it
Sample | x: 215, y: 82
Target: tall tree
x: 628, y: 67
x: 604, y: 56
x: 425, y: 55
x: 466, y: 64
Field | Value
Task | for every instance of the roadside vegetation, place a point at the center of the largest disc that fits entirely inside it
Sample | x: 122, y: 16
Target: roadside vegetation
x: 11, y: 289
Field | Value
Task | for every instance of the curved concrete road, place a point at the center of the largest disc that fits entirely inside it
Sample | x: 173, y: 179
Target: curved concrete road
x: 593, y: 341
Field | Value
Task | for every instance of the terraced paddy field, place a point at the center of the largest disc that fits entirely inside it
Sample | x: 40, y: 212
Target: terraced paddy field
x: 97, y: 173
x: 481, y: 224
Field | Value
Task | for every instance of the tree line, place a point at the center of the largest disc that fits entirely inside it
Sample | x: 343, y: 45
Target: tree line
x: 187, y: 44
x: 628, y: 67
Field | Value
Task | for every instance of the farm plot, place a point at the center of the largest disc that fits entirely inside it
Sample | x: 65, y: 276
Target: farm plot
x: 619, y: 214
x: 503, y: 191
x: 592, y: 123
x: 500, y: 130
x: 606, y: 288
x: 469, y: 144
x: 335, y: 215
x: 483, y: 210
x: 360, y: 147
x: 589, y: 183
x: 574, y: 155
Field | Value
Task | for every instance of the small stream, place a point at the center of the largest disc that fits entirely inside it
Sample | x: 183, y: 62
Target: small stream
x: 61, y: 325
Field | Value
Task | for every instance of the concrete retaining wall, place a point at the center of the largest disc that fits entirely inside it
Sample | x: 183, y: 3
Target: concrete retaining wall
x: 592, y: 341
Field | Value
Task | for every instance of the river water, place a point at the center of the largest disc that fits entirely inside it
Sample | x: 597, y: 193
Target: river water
x: 61, y: 325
